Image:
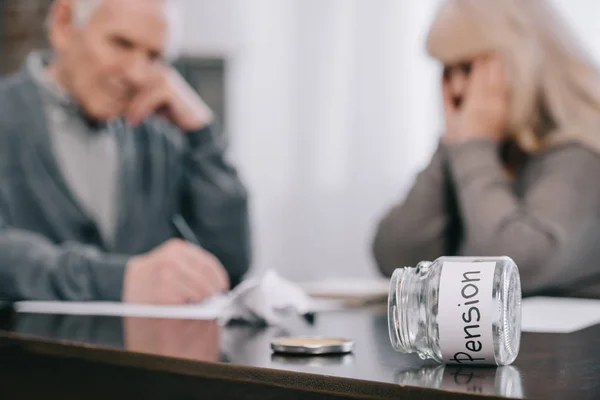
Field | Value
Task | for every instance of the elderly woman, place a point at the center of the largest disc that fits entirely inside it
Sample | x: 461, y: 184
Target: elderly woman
x: 517, y: 171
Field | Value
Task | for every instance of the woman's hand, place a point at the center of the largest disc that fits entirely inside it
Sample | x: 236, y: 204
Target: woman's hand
x: 484, y: 112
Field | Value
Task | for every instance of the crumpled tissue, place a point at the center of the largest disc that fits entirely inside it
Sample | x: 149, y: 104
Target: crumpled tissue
x: 267, y: 299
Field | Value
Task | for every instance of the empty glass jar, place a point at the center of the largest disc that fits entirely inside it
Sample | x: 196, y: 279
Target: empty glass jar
x: 457, y: 310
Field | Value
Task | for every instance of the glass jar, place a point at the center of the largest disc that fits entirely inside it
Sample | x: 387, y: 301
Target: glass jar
x: 457, y: 310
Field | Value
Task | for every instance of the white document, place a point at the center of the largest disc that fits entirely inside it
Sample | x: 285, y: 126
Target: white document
x: 539, y: 314
x: 350, y: 289
x: 208, y: 310
x: 211, y: 309
x: 559, y: 315
x: 267, y: 298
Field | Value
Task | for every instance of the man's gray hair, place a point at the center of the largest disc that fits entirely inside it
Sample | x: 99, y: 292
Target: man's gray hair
x: 83, y: 10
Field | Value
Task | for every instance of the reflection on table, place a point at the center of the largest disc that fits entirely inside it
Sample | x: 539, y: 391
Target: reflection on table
x: 499, y: 381
x: 189, y: 339
x: 549, y: 366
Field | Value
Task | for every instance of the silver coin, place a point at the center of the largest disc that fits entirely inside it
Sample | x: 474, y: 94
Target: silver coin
x: 312, y: 345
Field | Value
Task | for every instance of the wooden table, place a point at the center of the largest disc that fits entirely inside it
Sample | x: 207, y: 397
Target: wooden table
x: 48, y: 356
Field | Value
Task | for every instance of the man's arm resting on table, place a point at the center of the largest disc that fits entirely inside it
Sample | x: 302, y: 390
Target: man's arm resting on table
x: 33, y: 268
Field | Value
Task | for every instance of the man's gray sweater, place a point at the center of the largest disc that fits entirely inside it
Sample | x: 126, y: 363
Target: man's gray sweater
x: 52, y: 247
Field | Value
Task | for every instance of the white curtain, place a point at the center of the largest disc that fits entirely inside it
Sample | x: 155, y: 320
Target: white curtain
x: 583, y: 18
x: 333, y: 108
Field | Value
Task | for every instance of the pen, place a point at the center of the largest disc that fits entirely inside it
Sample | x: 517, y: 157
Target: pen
x: 184, y: 230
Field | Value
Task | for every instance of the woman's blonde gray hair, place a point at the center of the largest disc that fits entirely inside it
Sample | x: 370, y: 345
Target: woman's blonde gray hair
x: 555, y: 86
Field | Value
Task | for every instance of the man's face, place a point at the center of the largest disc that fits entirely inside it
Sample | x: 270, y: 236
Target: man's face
x: 107, y: 61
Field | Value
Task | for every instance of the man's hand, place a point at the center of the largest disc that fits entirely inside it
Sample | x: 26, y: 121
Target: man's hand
x: 484, y: 113
x: 174, y: 273
x: 171, y: 97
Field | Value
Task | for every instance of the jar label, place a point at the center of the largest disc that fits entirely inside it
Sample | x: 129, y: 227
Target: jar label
x: 466, y: 312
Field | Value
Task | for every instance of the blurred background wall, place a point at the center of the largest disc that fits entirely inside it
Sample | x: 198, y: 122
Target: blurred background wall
x: 331, y: 107
x: 21, y: 29
x: 331, y: 110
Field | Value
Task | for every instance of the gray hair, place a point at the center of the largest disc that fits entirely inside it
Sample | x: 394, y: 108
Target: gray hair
x: 83, y: 10
x: 555, y: 85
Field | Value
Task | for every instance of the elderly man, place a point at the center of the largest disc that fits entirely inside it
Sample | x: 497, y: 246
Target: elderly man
x: 101, y: 146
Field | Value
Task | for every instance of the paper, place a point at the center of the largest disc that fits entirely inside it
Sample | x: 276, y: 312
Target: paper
x: 352, y: 289
x: 208, y: 310
x: 267, y: 298
x: 559, y: 315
